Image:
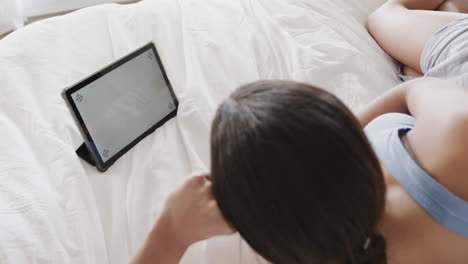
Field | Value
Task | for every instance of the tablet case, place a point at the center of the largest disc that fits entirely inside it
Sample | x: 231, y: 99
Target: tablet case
x: 83, y: 153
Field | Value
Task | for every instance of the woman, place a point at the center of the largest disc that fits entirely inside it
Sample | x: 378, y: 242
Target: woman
x: 295, y: 175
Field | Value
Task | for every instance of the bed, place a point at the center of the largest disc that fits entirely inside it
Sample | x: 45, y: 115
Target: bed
x: 55, y: 208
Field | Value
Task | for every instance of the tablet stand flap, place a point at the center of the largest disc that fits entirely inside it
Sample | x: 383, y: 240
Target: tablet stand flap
x: 83, y: 153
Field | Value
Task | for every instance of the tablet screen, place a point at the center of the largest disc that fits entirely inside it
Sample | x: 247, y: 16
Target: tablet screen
x: 124, y: 103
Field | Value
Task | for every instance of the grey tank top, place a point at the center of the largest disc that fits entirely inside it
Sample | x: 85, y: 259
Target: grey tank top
x: 446, y: 208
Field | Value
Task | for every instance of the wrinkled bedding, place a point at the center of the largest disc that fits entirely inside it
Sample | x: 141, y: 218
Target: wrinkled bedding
x: 55, y: 208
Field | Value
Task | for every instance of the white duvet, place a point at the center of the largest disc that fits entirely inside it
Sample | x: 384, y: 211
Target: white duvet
x: 55, y: 208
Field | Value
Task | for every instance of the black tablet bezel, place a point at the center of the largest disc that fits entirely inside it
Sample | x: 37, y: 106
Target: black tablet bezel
x: 100, y: 165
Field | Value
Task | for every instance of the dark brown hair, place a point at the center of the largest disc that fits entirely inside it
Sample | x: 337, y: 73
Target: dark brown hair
x: 295, y: 175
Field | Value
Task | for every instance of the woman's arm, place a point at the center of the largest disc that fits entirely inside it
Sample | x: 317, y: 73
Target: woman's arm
x: 160, y: 246
x: 423, y: 98
x: 395, y: 100
x: 403, y: 27
x: 190, y: 215
x: 392, y: 101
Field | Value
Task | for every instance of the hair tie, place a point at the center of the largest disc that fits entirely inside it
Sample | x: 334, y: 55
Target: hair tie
x: 367, y: 243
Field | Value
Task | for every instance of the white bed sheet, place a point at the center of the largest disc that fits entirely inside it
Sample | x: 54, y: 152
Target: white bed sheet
x: 55, y: 208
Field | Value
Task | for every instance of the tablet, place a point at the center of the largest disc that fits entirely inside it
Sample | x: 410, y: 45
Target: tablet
x: 121, y: 104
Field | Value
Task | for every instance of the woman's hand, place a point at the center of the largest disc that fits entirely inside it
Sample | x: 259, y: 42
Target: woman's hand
x: 190, y: 215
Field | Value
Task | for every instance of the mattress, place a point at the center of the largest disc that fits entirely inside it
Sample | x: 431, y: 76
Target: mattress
x: 55, y: 208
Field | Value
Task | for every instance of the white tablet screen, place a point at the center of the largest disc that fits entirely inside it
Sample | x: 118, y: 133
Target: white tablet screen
x: 124, y: 103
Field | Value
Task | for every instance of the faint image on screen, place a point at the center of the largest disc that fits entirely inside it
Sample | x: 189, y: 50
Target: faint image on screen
x: 123, y: 104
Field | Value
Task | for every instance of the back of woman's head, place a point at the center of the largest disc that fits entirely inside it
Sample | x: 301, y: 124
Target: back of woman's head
x: 294, y: 174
